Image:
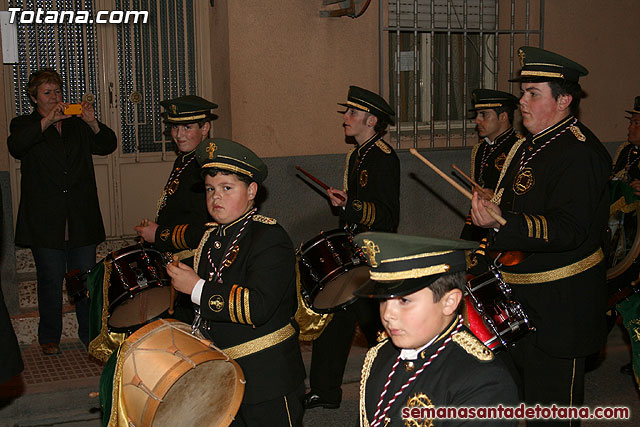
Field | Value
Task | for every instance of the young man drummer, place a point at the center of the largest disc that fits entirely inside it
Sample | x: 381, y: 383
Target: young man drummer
x: 370, y: 201
x: 244, y: 283
x: 182, y: 200
x: 494, y: 111
x: 431, y: 359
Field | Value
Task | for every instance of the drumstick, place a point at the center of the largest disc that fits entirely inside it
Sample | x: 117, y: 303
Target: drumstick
x: 172, y: 298
x: 457, y: 186
x: 475, y: 184
x: 317, y: 181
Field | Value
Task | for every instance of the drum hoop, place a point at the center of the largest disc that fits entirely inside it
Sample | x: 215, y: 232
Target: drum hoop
x: 323, y: 235
x: 336, y: 308
x: 133, y: 251
x: 170, y: 377
x: 628, y: 260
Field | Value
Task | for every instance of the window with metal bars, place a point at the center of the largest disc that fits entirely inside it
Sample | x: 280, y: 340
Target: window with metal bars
x: 439, y: 51
x: 156, y: 62
x: 70, y: 49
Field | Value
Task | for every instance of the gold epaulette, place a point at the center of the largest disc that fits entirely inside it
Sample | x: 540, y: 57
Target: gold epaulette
x: 473, y: 346
x: 383, y: 146
x: 577, y: 133
x: 264, y: 219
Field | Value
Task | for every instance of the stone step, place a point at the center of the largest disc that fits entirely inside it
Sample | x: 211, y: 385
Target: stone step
x: 26, y: 327
x: 25, y: 322
x: 25, y: 263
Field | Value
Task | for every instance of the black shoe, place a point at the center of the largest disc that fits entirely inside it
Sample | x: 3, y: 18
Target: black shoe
x: 312, y: 400
x: 627, y: 369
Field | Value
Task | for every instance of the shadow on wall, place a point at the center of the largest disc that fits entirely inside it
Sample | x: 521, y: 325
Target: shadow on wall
x: 428, y: 205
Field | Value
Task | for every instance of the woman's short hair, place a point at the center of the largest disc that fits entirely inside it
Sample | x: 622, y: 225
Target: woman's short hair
x: 44, y: 75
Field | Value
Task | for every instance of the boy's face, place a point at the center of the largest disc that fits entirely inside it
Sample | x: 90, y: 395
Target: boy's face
x: 187, y: 137
x: 228, y: 198
x: 414, y: 320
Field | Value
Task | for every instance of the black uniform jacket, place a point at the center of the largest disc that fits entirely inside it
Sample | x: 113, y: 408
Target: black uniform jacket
x: 58, y: 183
x: 464, y: 374
x: 626, y: 164
x: 372, y: 183
x: 184, y: 200
x: 486, y: 164
x: 252, y: 310
x: 556, y: 203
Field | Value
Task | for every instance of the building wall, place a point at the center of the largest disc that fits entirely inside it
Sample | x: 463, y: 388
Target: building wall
x: 279, y: 69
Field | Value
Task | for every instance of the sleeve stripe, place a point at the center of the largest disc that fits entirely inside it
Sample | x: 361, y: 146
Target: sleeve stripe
x: 529, y: 225
x: 247, y: 315
x: 545, y: 230
x: 232, y: 304
x: 238, y: 305
x: 536, y: 221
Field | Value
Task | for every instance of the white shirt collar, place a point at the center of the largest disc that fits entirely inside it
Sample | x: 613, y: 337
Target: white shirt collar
x: 412, y: 354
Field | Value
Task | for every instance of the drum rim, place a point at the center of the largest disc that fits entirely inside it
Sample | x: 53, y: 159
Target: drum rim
x: 133, y: 249
x: 626, y: 262
x: 323, y: 235
x: 322, y: 285
x: 170, y: 378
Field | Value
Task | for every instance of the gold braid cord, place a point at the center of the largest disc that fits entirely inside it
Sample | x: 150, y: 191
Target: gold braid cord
x: 507, y: 162
x: 198, y: 252
x: 618, y: 151
x: 345, y: 178
x: 311, y: 323
x: 106, y: 342
x: 366, y: 371
x: 474, y: 153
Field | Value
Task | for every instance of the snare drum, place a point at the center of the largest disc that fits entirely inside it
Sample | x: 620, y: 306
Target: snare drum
x: 170, y: 378
x: 494, y: 316
x: 332, y: 267
x: 139, y: 287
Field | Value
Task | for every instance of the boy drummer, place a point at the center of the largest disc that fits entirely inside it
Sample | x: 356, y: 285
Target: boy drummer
x: 431, y: 360
x: 244, y: 283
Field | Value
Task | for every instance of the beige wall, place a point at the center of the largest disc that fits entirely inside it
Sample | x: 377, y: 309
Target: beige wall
x: 288, y: 69
x: 279, y: 69
x: 601, y: 35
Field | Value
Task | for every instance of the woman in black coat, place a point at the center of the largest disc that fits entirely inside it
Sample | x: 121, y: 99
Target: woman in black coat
x: 59, y: 215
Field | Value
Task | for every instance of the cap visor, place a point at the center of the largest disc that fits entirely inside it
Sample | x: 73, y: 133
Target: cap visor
x: 381, y: 290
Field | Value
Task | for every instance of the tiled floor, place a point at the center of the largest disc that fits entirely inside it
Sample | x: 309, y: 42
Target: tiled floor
x: 72, y: 364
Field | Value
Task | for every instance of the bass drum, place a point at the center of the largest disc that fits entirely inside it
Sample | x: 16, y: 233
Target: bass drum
x: 171, y: 378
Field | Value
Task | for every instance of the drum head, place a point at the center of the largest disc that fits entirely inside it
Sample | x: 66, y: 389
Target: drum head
x: 171, y: 378
x: 338, y: 293
x: 206, y: 396
x: 144, y: 306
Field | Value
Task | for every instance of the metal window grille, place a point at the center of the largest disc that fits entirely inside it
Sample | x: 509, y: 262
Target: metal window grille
x: 441, y: 50
x: 156, y: 62
x: 68, y: 48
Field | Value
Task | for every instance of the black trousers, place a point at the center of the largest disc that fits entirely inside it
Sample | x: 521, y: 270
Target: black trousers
x: 283, y: 411
x: 544, y: 379
x: 331, y: 350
